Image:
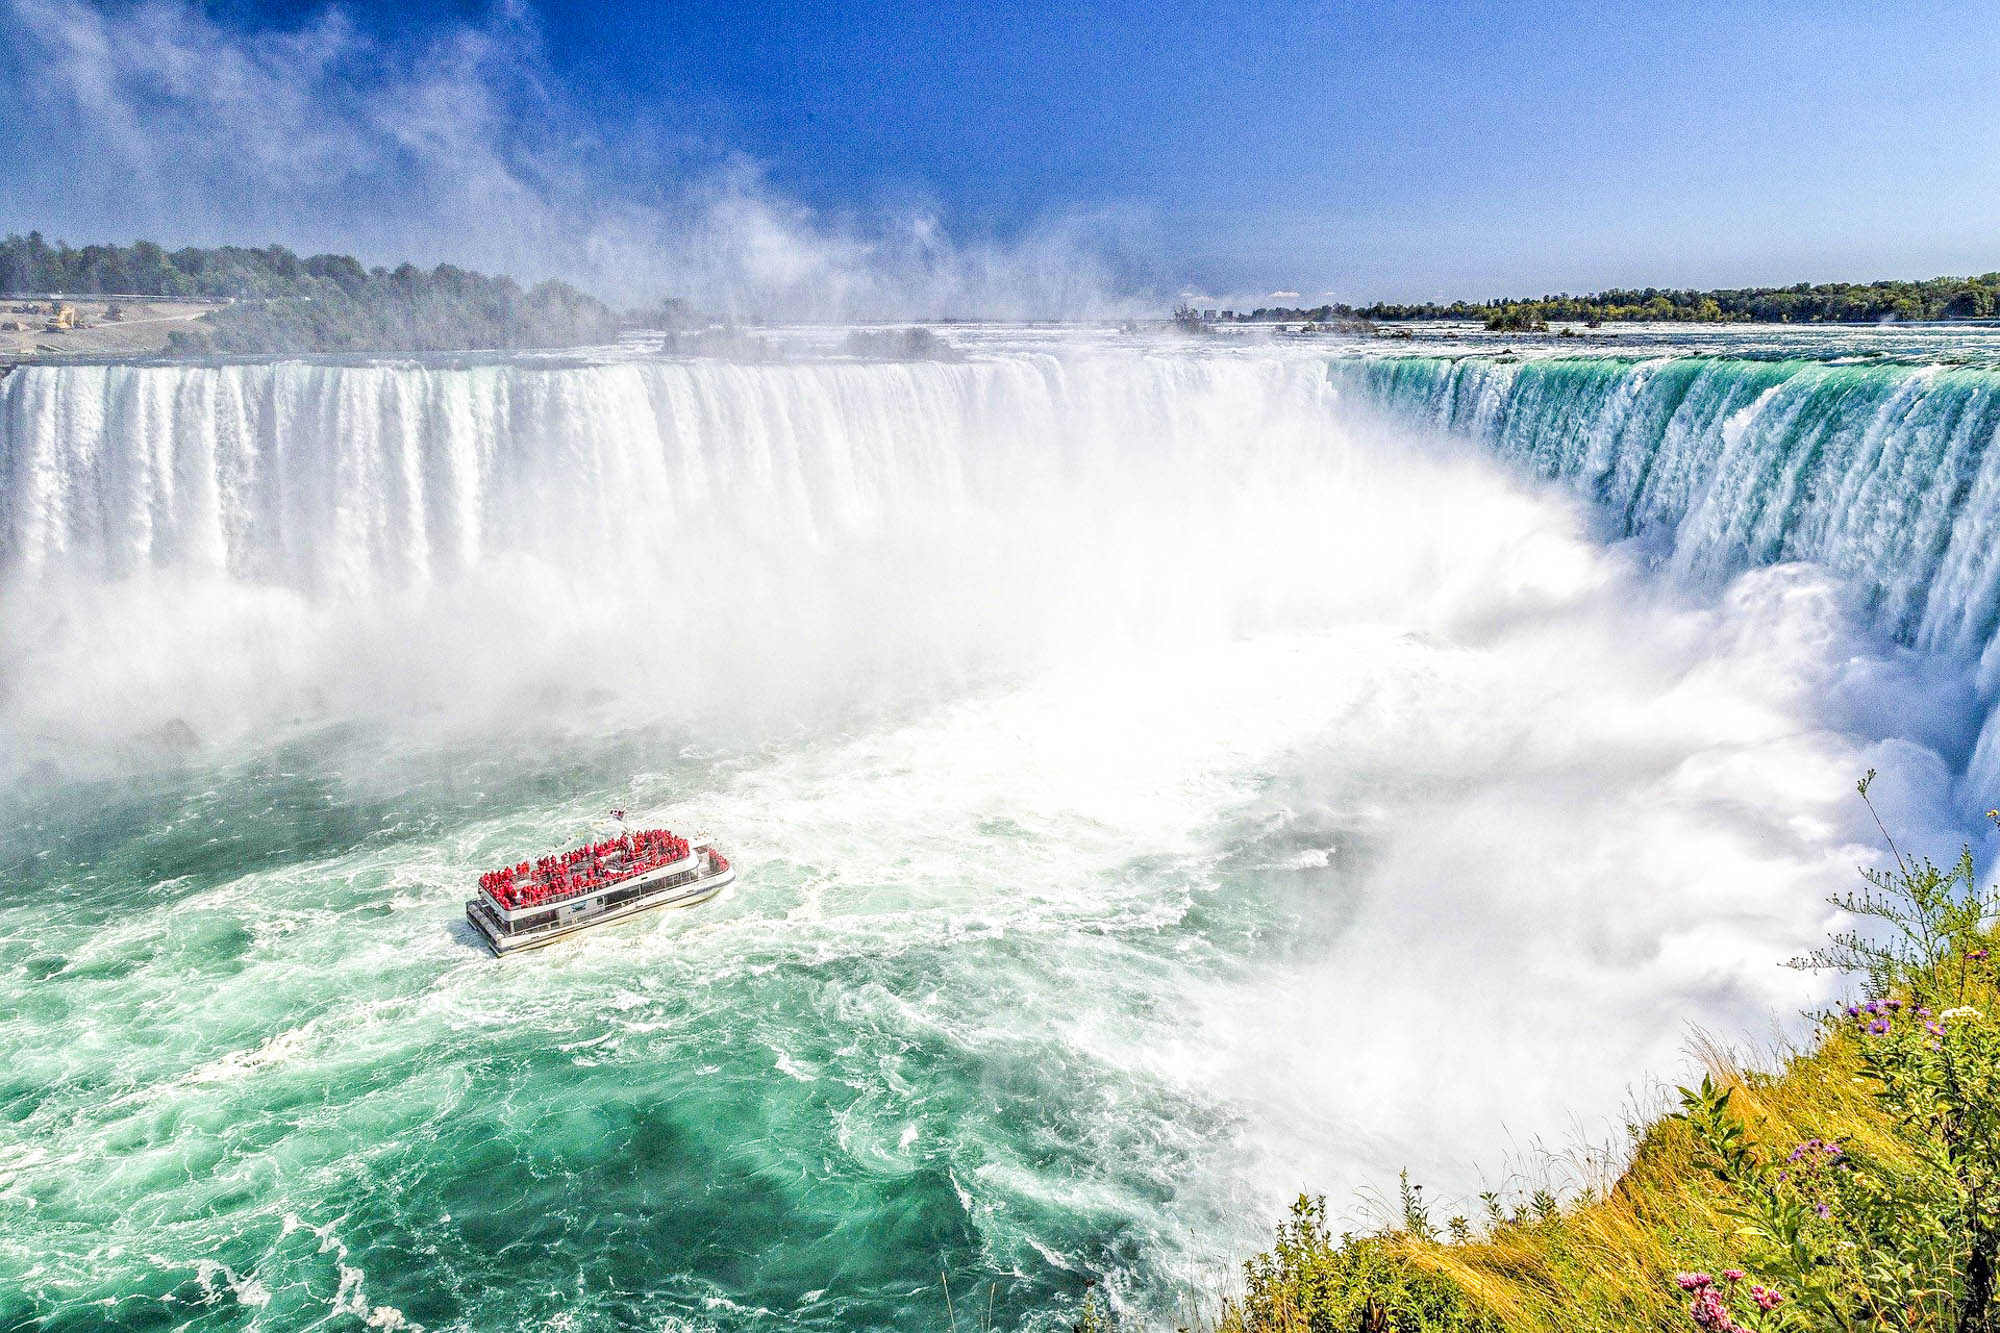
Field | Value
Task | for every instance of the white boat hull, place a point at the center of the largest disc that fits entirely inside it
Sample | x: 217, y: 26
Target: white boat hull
x: 568, y: 922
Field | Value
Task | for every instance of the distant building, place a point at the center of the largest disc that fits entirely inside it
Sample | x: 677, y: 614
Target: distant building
x: 1208, y: 315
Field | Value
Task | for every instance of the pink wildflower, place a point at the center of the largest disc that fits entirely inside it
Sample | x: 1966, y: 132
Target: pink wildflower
x: 1709, y: 1312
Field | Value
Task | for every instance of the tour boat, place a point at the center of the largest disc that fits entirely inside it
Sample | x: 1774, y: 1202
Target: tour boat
x: 538, y: 902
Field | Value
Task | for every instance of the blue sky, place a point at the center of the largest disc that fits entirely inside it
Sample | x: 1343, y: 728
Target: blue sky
x: 1368, y: 150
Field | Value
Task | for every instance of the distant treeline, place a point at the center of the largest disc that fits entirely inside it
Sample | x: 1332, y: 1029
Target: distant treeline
x: 326, y: 303
x: 1805, y: 303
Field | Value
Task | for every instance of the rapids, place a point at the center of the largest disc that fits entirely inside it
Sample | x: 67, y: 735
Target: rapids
x: 1163, y: 778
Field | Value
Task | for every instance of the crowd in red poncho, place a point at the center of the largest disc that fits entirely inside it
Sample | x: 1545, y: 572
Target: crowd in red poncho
x: 551, y: 879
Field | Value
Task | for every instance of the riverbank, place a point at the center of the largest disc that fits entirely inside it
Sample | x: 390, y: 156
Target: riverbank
x: 142, y: 329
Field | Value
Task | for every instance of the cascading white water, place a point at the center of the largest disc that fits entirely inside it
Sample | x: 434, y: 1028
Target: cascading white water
x: 499, y: 514
x: 1158, y: 790
x: 1888, y: 474
x: 353, y: 481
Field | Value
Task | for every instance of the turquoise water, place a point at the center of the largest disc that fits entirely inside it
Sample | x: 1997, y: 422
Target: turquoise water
x: 1158, y: 787
x: 268, y: 1078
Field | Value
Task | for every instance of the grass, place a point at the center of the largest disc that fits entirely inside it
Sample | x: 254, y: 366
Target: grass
x: 1608, y: 1263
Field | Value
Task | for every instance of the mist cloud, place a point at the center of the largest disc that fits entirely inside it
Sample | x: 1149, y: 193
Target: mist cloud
x: 154, y: 120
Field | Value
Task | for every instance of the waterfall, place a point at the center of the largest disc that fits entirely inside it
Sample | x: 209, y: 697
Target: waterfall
x: 344, y: 481
x: 907, y: 512
x: 245, y: 533
x: 1885, y: 474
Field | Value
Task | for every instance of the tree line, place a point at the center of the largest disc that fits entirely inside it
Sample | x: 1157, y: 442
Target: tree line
x: 281, y: 303
x: 1802, y: 303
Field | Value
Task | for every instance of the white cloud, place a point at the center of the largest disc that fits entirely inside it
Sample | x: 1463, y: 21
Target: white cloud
x: 157, y: 120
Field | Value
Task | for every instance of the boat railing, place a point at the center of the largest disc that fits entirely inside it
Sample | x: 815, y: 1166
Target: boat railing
x: 513, y: 921
x: 690, y: 862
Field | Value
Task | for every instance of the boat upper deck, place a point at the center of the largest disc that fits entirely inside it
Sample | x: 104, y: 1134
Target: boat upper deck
x: 632, y: 860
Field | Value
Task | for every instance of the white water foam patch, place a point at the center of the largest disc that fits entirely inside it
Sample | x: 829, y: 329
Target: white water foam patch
x: 246, y: 1290
x: 1586, y: 833
x: 1552, y: 908
x: 351, y: 1297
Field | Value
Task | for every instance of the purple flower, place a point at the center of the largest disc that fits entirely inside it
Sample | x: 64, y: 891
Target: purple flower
x: 1709, y: 1312
x: 1767, y: 1298
x: 1732, y: 1275
x: 1694, y: 1281
x: 1879, y: 1026
x: 1823, y: 1211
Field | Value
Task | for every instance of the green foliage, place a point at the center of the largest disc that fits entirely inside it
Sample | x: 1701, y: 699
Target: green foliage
x: 1314, y: 1282
x: 1868, y: 1243
x: 283, y: 304
x: 1940, y: 1077
x: 1849, y: 1242
x: 30, y: 264
x: 1518, y: 319
x: 407, y: 311
x: 1835, y: 302
x: 1416, y: 1216
x: 1923, y: 917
